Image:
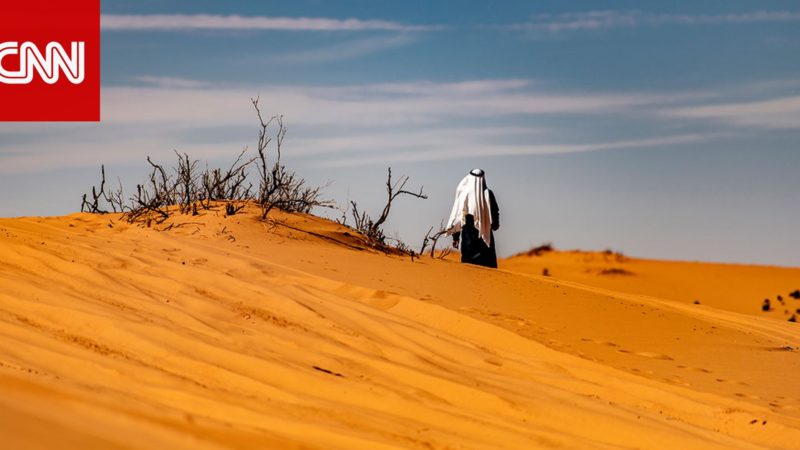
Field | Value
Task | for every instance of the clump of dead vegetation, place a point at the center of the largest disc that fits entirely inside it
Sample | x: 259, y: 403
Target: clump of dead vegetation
x: 615, y: 271
x: 113, y: 199
x: 539, y: 250
x: 186, y: 188
x: 767, y: 305
x: 189, y: 188
x: 371, y: 228
x: 432, y: 239
x: 609, y: 254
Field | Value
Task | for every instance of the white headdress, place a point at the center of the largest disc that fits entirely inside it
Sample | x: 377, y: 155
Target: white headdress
x: 472, y: 197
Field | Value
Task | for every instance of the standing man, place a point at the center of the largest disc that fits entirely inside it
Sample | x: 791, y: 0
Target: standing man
x: 474, y: 217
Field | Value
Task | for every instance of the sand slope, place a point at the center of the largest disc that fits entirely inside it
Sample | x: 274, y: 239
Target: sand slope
x: 733, y: 287
x: 223, y: 333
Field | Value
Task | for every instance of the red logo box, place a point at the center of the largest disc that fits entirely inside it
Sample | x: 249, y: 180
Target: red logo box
x: 50, y: 60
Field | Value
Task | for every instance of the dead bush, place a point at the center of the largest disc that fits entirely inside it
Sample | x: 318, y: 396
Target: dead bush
x: 372, y: 229
x: 186, y: 189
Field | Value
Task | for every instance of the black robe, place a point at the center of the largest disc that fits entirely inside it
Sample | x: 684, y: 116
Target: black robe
x: 473, y: 249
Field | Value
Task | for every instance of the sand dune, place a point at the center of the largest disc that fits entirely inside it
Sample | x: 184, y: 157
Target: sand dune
x: 732, y: 287
x: 224, y: 332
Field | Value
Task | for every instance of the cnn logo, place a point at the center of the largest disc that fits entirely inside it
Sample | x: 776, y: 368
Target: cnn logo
x: 49, y: 65
x: 50, y: 61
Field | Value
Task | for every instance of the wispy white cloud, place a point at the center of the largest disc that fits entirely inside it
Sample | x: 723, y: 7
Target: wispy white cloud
x: 749, y: 17
x: 171, y: 82
x: 352, y: 125
x: 176, y: 22
x: 597, y: 20
x: 347, y: 50
x: 590, y: 20
x: 775, y: 113
x: 350, y: 148
x: 384, y: 122
x: 481, y: 143
x: 462, y: 87
x: 369, y: 105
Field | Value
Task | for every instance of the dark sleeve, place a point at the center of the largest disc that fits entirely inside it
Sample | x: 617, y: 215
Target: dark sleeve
x: 495, y: 211
x: 456, y: 235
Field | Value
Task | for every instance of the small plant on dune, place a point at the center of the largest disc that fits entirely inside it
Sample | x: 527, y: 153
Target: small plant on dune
x: 432, y: 239
x: 372, y: 229
x: 539, y: 250
x: 795, y: 294
x: 277, y: 186
x: 444, y: 253
x: 154, y: 197
x: 618, y: 256
x: 766, y: 306
x: 186, y: 185
x: 615, y: 271
x: 426, y: 240
x: 405, y: 249
x: 545, y: 272
x: 229, y: 185
x: 113, y: 199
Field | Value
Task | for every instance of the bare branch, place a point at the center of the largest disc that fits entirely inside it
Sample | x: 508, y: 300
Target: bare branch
x: 372, y: 229
x: 393, y: 192
x: 100, y: 193
x: 277, y: 186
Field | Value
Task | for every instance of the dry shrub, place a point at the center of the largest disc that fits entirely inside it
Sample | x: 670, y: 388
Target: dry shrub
x: 186, y: 189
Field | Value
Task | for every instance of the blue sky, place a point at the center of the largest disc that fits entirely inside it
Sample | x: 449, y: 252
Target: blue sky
x: 661, y: 129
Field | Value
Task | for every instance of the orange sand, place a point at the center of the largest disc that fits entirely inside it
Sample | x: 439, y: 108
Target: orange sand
x: 229, y: 333
x: 731, y: 287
